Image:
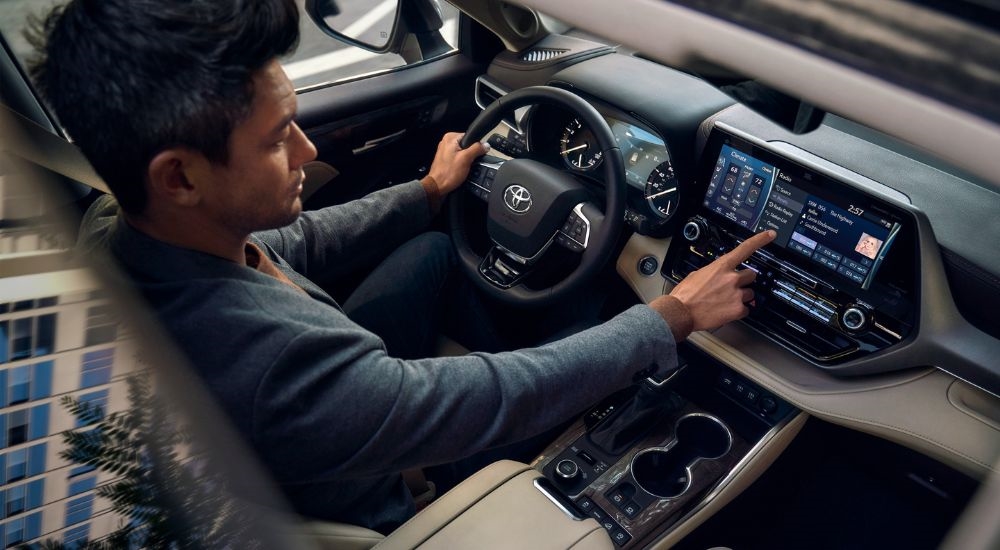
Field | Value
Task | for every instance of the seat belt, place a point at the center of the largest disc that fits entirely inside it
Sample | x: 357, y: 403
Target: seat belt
x: 25, y: 138
x: 423, y: 491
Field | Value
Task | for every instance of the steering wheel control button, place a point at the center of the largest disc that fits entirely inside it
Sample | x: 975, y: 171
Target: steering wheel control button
x: 854, y: 318
x: 573, y: 234
x: 567, y: 469
x: 648, y: 265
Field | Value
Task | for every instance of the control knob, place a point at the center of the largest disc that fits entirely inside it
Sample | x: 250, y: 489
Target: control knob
x: 854, y: 318
x: 694, y: 229
x: 567, y: 470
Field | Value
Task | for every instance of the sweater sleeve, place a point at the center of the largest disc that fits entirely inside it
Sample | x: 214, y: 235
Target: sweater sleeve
x: 336, y: 396
x: 338, y: 239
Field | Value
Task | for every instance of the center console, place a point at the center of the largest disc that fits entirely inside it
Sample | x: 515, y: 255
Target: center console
x: 648, y: 458
x: 839, y: 281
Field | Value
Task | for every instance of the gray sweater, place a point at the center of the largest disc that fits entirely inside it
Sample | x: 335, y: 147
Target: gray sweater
x: 331, y: 414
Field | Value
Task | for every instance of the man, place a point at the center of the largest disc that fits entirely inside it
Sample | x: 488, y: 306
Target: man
x: 191, y: 121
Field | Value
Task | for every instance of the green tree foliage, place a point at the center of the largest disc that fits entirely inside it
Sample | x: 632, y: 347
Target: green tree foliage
x: 168, y: 497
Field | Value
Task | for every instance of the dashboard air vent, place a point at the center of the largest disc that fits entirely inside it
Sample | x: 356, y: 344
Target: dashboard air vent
x: 539, y: 55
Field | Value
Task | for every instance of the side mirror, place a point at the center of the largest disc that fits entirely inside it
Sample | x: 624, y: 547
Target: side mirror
x: 367, y: 24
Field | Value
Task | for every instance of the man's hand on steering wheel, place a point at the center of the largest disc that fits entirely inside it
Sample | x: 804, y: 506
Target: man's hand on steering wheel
x: 450, y: 167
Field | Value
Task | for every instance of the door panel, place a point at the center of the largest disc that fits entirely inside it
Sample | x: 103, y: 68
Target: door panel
x: 384, y: 129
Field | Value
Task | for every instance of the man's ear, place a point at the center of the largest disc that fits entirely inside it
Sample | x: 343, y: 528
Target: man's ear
x: 175, y: 176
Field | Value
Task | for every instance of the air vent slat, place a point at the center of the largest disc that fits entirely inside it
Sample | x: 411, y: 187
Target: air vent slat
x: 540, y: 55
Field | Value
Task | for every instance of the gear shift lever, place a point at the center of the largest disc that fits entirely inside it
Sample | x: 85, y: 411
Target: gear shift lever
x: 617, y: 433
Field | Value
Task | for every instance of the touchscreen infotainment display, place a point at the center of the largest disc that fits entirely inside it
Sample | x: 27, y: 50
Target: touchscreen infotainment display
x: 844, y: 238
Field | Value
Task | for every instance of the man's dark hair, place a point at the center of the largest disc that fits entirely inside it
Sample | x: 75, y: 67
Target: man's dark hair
x: 128, y: 79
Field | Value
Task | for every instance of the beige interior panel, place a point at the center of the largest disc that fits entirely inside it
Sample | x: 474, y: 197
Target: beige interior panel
x: 639, y: 246
x: 337, y: 536
x: 498, y: 507
x: 975, y: 403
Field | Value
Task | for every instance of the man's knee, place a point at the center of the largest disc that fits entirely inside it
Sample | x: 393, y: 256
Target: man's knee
x: 434, y: 248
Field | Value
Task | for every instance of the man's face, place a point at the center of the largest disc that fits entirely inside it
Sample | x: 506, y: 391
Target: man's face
x: 260, y: 187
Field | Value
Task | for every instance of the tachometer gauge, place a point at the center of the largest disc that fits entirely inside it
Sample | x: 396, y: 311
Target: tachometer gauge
x: 662, y: 191
x: 578, y: 146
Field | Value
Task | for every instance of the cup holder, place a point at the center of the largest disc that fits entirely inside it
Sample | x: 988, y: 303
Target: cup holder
x: 665, y: 471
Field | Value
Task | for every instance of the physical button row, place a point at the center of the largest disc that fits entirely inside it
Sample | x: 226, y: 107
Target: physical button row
x: 589, y: 507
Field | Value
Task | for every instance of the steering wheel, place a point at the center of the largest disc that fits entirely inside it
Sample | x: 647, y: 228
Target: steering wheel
x: 532, y: 206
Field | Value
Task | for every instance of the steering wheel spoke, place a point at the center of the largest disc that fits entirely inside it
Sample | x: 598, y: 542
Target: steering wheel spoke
x: 481, y: 178
x: 502, y: 270
x: 531, y: 206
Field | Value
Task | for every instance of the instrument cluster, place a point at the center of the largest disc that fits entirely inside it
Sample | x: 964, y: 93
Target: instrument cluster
x: 654, y: 193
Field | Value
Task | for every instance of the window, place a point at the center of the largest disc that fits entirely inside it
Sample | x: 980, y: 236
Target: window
x: 17, y: 427
x: 23, y: 305
x: 15, y: 500
x: 17, y: 465
x: 320, y: 59
x: 4, y: 338
x: 79, y: 509
x: 15, y: 532
x: 21, y: 345
x: 101, y: 325
x: 41, y: 380
x: 18, y: 384
x: 76, y: 537
x: 36, y: 459
x: 82, y: 485
x: 23, y: 425
x: 97, y: 368
x: 48, y: 302
x: 22, y: 463
x: 80, y: 470
x: 97, y: 398
x: 46, y: 335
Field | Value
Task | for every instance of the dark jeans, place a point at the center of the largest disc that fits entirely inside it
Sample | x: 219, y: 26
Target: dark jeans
x: 417, y: 293
x: 414, y: 294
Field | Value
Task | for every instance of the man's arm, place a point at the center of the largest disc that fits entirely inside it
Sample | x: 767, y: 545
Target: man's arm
x: 364, y: 413
x: 339, y: 238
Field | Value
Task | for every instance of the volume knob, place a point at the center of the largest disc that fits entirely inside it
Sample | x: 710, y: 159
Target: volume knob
x: 693, y: 229
x: 854, y: 318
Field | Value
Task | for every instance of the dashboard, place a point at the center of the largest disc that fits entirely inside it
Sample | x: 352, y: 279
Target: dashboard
x: 871, y: 314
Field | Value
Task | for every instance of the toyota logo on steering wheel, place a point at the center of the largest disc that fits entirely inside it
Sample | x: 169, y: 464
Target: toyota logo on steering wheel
x: 517, y: 198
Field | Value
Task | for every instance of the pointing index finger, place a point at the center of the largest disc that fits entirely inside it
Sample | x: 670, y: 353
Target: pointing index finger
x: 741, y: 253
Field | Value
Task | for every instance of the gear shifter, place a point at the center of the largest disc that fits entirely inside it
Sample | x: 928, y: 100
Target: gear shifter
x: 619, y: 431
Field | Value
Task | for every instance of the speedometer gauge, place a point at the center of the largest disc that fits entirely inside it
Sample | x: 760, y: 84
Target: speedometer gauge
x: 578, y: 146
x: 662, y: 191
